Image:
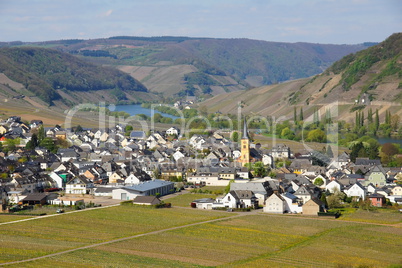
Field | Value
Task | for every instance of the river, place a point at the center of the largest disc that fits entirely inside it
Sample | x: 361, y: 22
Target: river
x: 389, y: 139
x: 134, y: 109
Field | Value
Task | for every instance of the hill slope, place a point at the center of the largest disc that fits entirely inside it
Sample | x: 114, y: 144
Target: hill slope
x: 50, y: 74
x: 179, y: 66
x: 368, y: 78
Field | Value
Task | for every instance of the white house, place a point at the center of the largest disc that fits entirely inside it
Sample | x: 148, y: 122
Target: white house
x: 132, y: 179
x: 59, y: 180
x: 240, y: 199
x: 356, y: 190
x: 177, y: 155
x: 280, y: 151
x: 79, y: 185
x: 303, y: 193
x: 275, y: 204
x: 333, y: 185
x: 292, y: 203
x: 267, y: 160
x: 172, y: 131
x: 203, y: 203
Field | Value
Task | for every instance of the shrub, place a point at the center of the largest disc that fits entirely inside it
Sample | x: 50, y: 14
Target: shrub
x: 126, y: 203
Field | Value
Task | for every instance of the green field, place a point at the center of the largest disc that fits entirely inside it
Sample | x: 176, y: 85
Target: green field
x: 10, y: 218
x: 186, y: 199
x: 245, y: 240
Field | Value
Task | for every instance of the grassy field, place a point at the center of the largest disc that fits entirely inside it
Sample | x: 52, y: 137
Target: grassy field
x: 260, y: 240
x: 186, y: 199
x: 10, y: 218
x: 380, y: 216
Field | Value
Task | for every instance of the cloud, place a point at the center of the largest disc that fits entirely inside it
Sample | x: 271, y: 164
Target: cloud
x: 106, y: 14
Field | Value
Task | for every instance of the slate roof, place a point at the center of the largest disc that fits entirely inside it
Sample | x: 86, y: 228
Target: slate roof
x: 148, y: 185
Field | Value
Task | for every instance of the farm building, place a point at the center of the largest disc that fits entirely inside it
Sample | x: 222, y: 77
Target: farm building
x: 148, y: 188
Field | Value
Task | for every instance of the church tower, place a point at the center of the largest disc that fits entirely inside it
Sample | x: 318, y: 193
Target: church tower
x: 245, y: 146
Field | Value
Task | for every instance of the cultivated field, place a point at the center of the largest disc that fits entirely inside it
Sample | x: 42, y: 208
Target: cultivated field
x: 133, y: 236
x: 8, y: 218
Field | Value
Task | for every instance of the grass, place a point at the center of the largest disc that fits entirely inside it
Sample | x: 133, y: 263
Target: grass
x: 380, y: 215
x: 48, y: 210
x: 10, y: 217
x: 185, y: 199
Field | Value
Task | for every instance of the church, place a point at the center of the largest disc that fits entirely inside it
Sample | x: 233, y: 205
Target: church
x: 247, y: 154
x: 245, y: 146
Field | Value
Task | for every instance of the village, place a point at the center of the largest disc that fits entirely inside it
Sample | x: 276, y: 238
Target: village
x: 135, y: 166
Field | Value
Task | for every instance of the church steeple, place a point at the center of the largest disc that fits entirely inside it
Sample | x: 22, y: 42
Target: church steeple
x: 245, y: 135
x: 245, y: 145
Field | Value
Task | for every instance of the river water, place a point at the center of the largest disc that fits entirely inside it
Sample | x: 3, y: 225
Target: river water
x: 389, y: 139
x: 134, y: 109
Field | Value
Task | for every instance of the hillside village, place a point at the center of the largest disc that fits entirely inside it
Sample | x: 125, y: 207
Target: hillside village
x: 123, y: 166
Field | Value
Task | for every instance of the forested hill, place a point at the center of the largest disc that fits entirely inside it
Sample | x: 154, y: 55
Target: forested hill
x: 364, y: 81
x: 180, y: 66
x: 379, y: 62
x: 259, y: 62
x: 45, y: 71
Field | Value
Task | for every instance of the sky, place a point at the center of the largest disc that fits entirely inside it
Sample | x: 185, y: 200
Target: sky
x: 313, y: 21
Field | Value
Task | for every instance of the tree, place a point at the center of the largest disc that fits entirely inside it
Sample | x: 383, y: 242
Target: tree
x: 41, y: 133
x: 316, y: 135
x: 294, y: 114
x: 227, y: 188
x: 79, y: 129
x: 156, y: 173
x: 11, y: 144
x: 357, y: 150
x: 62, y: 143
x: 323, y: 199
x: 389, y: 149
x: 286, y: 133
x: 318, y: 181
x: 33, y: 143
x: 316, y: 117
x: 235, y: 136
x: 259, y: 169
x: 301, y: 117
x: 388, y: 117
x: 372, y: 148
x: 48, y: 143
x: 335, y: 199
x: 395, y: 122
x: 365, y: 204
x: 370, y: 115
x: 377, y: 120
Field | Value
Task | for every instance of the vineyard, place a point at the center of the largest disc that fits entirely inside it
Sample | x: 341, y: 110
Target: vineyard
x: 177, y: 237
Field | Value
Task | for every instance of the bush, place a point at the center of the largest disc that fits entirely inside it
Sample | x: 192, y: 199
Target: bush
x: 163, y: 205
x: 126, y: 203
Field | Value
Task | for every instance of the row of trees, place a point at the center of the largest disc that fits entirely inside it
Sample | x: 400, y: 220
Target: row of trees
x: 370, y: 124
